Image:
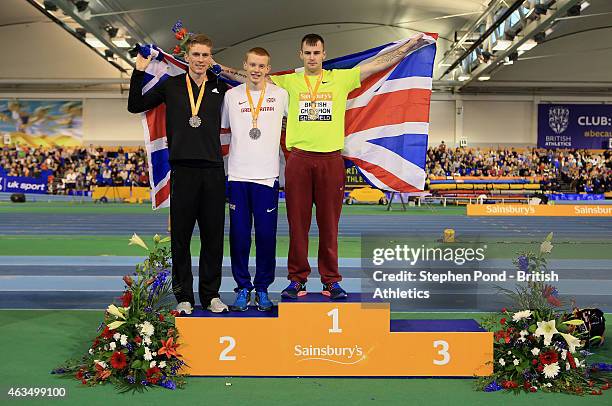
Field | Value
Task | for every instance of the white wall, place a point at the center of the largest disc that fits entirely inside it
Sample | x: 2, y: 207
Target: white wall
x: 107, y: 122
x: 493, y: 122
x: 487, y: 120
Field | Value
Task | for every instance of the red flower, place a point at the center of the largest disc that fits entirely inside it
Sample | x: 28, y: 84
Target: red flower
x: 179, y: 35
x: 533, y: 389
x: 502, y: 321
x: 501, y: 334
x: 128, y: 280
x: 169, y: 348
x: 534, y: 361
x: 504, y: 310
x: 161, y: 317
x: 570, y: 359
x: 596, y: 392
x: 526, y: 385
x: 509, y: 384
x: 605, y: 386
x: 176, y: 50
x: 553, y: 301
x: 80, y: 374
x: 95, y: 343
x: 174, y: 313
x: 549, y: 357
x: 107, y: 333
x: 126, y: 299
x: 153, y: 375
x: 118, y: 360
x: 138, y: 339
x: 84, y: 382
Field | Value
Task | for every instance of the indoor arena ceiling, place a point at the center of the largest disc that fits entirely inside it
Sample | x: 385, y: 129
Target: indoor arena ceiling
x: 576, y: 55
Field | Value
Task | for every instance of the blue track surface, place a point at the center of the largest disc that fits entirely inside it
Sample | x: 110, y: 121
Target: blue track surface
x: 93, y: 282
x: 350, y: 225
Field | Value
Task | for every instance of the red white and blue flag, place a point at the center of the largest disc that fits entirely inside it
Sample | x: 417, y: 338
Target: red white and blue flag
x: 387, y: 119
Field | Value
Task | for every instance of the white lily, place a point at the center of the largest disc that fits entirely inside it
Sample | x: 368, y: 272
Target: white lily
x: 572, y: 342
x: 546, y: 329
x: 118, y: 312
x: 546, y: 247
x: 136, y: 240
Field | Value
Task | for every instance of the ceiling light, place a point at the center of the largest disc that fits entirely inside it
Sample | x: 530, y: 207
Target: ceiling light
x: 121, y: 43
x: 463, y: 77
x: 584, y: 5
x: 502, y: 45
x: 95, y: 42
x: 527, y: 45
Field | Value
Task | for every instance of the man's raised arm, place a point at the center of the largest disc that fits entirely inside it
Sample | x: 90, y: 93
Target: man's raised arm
x: 138, y: 102
x: 390, y: 58
x: 237, y: 75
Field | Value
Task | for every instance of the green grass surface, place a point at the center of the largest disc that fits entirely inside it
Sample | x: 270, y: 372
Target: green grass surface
x: 145, y: 208
x: 349, y: 247
x: 35, y: 341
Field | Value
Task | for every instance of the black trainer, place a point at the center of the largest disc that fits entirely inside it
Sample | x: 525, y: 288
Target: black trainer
x: 294, y: 290
x: 334, y: 291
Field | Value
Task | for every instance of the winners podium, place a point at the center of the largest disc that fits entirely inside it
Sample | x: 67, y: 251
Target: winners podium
x: 313, y: 336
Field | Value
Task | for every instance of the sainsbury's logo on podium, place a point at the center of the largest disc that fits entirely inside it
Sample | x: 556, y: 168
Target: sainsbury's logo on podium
x: 339, y: 355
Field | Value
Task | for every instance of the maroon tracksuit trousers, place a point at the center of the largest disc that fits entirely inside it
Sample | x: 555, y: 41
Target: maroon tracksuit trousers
x: 314, y: 177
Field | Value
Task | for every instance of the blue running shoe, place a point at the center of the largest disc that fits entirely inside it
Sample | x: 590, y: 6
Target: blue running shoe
x: 263, y: 302
x: 334, y: 291
x: 241, y: 304
x: 294, y: 290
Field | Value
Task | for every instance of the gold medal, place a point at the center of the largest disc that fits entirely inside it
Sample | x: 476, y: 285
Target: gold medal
x: 194, y: 121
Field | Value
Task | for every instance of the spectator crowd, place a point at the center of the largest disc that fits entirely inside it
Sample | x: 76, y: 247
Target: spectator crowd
x: 83, y: 168
x: 579, y: 170
x: 77, y: 168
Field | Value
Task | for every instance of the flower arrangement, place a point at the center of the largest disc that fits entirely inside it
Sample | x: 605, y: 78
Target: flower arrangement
x: 537, y: 346
x: 182, y: 35
x: 136, y: 345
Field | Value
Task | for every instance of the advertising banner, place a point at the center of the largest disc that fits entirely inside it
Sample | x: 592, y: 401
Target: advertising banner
x: 579, y: 126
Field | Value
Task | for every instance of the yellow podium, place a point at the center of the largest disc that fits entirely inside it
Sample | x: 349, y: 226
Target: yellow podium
x: 313, y: 336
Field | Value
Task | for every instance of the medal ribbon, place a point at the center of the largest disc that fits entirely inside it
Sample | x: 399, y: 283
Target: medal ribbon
x: 255, y: 111
x: 195, y: 107
x: 313, y: 94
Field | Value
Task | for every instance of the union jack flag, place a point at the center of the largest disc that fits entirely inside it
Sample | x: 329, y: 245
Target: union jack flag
x: 387, y: 119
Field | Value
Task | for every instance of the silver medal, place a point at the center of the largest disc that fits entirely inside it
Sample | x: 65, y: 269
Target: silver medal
x: 254, y: 133
x: 195, y: 121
